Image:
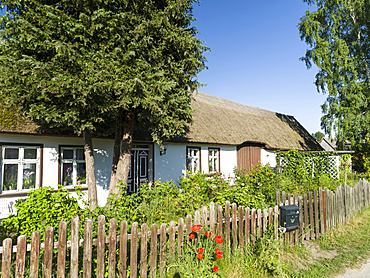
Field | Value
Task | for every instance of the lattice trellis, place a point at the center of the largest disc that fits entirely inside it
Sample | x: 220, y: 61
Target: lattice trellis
x: 331, y: 168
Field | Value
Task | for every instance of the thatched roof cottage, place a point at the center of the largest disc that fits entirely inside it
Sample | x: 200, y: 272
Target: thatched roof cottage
x: 224, y: 135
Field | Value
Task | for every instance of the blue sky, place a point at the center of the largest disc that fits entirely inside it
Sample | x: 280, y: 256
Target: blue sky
x: 254, y: 58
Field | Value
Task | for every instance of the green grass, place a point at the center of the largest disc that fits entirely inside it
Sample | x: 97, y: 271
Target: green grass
x: 351, y: 243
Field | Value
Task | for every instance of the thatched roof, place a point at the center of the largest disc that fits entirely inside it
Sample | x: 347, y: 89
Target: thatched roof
x: 216, y: 121
x: 220, y: 121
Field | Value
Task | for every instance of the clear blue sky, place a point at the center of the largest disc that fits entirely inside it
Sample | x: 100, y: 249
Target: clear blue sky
x: 254, y: 58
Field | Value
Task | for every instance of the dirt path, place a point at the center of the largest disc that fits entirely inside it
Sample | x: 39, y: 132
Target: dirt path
x: 362, y: 272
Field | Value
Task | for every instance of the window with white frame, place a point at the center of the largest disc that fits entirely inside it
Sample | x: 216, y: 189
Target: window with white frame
x: 213, y: 160
x: 193, y: 159
x: 72, y: 166
x: 20, y: 167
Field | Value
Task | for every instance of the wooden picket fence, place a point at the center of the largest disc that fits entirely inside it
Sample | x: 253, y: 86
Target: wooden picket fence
x: 148, y: 252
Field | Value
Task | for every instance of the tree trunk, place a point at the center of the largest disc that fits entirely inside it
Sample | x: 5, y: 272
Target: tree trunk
x: 90, y: 170
x: 124, y: 161
x: 116, y: 154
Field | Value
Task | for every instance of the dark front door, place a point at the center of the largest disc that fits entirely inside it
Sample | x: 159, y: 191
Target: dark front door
x: 139, y: 167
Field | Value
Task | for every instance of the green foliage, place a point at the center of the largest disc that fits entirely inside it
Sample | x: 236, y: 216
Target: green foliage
x: 361, y: 160
x: 303, y: 171
x: 318, y: 136
x: 336, y: 33
x: 79, y: 64
x: 43, y: 208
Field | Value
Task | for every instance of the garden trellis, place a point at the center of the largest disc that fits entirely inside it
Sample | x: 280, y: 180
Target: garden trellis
x: 313, y: 164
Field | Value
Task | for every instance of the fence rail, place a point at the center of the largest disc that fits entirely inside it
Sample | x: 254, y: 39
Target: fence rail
x: 146, y: 252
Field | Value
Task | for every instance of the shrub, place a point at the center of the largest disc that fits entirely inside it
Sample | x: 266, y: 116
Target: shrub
x: 43, y: 208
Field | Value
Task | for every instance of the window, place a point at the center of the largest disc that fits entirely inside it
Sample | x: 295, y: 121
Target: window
x: 72, y: 166
x: 20, y: 168
x: 193, y: 159
x: 213, y: 160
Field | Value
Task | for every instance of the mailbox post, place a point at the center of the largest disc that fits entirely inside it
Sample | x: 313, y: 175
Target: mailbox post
x: 289, y: 217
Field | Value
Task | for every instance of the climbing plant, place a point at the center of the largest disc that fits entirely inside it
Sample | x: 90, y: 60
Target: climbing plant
x: 303, y: 166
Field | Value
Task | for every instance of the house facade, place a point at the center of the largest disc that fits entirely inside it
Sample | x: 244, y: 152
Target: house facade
x: 225, y: 135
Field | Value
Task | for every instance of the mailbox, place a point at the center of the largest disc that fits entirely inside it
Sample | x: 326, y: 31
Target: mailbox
x: 289, y: 217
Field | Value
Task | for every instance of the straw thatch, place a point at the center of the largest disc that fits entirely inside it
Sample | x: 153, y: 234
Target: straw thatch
x: 220, y: 121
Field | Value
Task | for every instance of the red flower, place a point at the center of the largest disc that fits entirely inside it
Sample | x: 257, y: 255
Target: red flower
x: 192, y: 236
x: 196, y: 228
x: 200, y: 256
x: 215, y: 269
x: 207, y: 234
x: 219, y: 239
x: 200, y: 250
x: 217, y: 250
x: 219, y: 255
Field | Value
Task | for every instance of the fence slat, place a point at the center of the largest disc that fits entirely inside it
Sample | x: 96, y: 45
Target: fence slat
x: 265, y: 217
x: 321, y: 219
x: 35, y: 255
x: 247, y: 217
x: 312, y: 226
x: 241, y: 222
x: 87, y: 259
x: 259, y: 223
x: 62, y: 250
x: 172, y: 238
x: 212, y: 218
x: 227, y: 222
x: 305, y: 211
x: 75, y: 238
x: 133, y: 253
x: 6, y: 258
x: 21, y: 256
x: 316, y: 206
x: 153, y: 251
x: 123, y: 250
x: 162, y: 250
x: 48, y: 254
x: 204, y: 218
x: 296, y: 232
x: 301, y: 228
x: 143, y: 251
x: 180, y: 241
x: 253, y: 225
x: 234, y: 226
x: 219, y: 219
x: 276, y: 221
x: 100, y: 253
x: 112, y: 248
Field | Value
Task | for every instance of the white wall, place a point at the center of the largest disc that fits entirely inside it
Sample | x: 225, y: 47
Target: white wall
x: 172, y: 165
x: 103, y: 150
x: 268, y: 157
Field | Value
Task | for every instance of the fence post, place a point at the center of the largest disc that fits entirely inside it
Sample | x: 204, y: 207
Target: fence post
x: 48, y: 254
x: 87, y: 259
x: 6, y: 258
x: 153, y: 251
x: 75, y: 238
x: 100, y: 253
x: 143, y: 251
x: 21, y: 256
x: 133, y: 255
x: 123, y: 249
x: 62, y: 250
x: 35, y: 255
x: 112, y: 248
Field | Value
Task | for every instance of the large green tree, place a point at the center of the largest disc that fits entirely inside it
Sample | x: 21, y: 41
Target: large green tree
x: 86, y: 64
x: 337, y: 33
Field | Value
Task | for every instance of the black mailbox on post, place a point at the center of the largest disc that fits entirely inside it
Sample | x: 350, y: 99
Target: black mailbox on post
x: 289, y: 217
